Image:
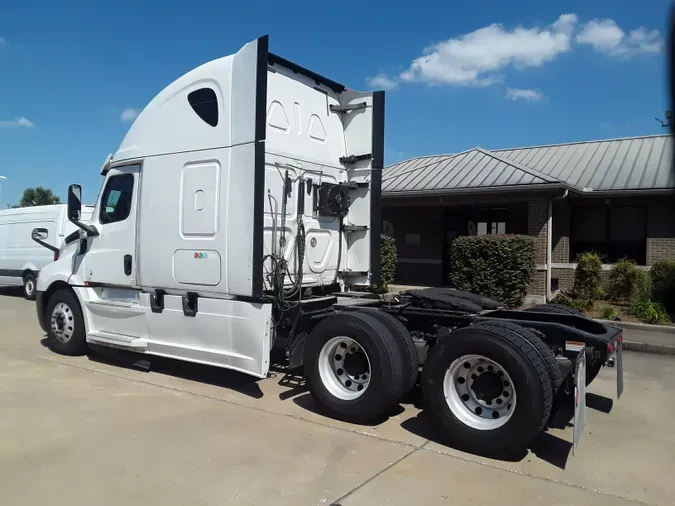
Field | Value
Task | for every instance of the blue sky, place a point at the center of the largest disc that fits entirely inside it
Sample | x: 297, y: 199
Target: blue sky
x: 486, y: 73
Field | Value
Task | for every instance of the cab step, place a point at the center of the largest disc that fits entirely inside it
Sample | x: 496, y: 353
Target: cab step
x: 120, y: 341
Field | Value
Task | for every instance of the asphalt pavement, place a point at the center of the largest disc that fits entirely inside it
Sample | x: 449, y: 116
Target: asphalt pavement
x: 90, y: 430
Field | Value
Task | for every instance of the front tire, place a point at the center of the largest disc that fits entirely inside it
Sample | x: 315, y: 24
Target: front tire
x: 354, y: 367
x: 65, y: 324
x: 29, y: 286
x: 472, y: 373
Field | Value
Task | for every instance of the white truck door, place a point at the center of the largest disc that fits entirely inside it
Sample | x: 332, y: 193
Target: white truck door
x: 111, y: 258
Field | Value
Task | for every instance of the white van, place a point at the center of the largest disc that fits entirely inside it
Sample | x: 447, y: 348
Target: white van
x: 21, y: 258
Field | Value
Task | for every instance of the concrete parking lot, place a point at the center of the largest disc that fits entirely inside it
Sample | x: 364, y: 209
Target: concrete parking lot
x: 91, y: 431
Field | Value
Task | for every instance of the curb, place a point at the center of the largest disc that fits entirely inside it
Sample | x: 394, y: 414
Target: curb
x: 647, y: 327
x: 660, y: 349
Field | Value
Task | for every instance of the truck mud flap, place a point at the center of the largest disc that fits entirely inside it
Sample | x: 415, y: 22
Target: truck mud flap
x: 579, y: 399
x: 619, y: 370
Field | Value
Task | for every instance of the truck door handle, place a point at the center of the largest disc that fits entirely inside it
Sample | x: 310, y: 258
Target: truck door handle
x: 127, y: 265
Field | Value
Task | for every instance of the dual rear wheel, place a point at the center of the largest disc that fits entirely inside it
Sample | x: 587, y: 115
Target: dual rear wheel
x: 490, y: 386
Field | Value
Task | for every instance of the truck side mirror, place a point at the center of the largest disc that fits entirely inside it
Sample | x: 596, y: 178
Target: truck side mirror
x: 40, y: 234
x: 74, y: 202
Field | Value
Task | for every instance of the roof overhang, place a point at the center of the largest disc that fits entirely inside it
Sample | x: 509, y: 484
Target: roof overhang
x: 552, y: 188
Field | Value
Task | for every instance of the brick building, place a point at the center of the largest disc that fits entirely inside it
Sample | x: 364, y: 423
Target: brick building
x: 615, y: 196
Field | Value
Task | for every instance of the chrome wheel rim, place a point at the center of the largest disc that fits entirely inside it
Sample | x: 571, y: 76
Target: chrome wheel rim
x: 344, y: 368
x: 63, y: 322
x: 479, y: 392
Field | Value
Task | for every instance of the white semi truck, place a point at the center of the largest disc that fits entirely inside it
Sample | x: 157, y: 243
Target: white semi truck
x: 241, y: 204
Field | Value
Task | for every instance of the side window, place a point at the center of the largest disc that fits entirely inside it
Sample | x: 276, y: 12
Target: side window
x: 116, y: 200
x: 205, y: 103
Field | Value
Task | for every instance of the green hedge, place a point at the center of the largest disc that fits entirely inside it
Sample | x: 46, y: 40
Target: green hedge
x: 497, y: 266
x: 623, y: 280
x: 663, y: 283
x: 588, y: 277
x: 388, y: 259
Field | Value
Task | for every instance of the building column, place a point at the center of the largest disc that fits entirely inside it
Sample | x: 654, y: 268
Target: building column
x: 537, y: 219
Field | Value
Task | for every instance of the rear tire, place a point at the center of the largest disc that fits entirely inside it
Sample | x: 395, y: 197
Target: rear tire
x: 334, y: 386
x: 406, y: 346
x: 469, y: 420
x: 29, y: 285
x: 534, y: 337
x: 65, y: 324
x: 593, y: 366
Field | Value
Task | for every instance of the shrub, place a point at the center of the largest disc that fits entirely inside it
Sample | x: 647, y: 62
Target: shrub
x: 388, y: 259
x: 622, y: 280
x: 650, y: 312
x: 584, y: 305
x: 588, y: 277
x: 642, y: 291
x: 663, y: 283
x: 609, y: 312
x: 568, y: 298
x: 497, y: 266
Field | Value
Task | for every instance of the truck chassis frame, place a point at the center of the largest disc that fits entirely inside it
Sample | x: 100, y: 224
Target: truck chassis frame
x: 579, y: 345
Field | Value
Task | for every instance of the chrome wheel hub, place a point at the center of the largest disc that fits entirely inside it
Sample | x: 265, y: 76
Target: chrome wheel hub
x: 344, y: 368
x: 62, y: 322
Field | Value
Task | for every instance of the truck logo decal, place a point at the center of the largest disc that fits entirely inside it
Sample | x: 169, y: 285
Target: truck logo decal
x: 201, y: 255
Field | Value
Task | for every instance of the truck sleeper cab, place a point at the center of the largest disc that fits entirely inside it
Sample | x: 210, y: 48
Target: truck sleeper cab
x: 239, y: 185
x: 238, y: 210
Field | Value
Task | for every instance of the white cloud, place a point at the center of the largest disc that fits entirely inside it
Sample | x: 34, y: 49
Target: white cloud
x: 605, y: 36
x: 476, y: 58
x: 3, y: 42
x: 18, y: 122
x: 524, y: 94
x: 129, y: 114
x: 382, y: 82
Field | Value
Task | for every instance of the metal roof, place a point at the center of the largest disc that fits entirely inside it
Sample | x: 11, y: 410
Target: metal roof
x: 475, y: 168
x: 639, y: 163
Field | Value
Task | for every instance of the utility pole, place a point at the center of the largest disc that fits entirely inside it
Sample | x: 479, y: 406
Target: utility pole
x: 2, y: 178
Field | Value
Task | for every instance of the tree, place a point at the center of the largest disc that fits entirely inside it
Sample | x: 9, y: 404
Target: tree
x: 38, y: 197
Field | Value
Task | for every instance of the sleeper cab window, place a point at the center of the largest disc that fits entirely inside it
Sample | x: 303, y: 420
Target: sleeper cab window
x: 205, y: 104
x: 116, y: 201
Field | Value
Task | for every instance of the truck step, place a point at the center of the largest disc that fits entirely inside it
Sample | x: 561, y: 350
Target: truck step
x: 347, y: 108
x: 355, y: 228
x: 357, y: 295
x: 355, y: 158
x: 353, y: 185
x: 353, y: 273
x: 118, y: 341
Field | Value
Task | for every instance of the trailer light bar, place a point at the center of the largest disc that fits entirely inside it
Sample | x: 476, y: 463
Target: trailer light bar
x: 612, y: 346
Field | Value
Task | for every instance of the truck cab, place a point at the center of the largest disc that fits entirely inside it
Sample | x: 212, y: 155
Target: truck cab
x: 242, y: 187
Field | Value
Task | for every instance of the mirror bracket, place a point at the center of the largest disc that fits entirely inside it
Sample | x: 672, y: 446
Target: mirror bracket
x: 35, y: 235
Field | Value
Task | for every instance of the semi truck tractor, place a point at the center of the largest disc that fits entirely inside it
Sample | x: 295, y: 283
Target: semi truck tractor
x: 236, y: 217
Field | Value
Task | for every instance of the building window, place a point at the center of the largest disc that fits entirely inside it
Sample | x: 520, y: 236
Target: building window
x: 614, y: 232
x: 205, y: 103
x: 489, y: 222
